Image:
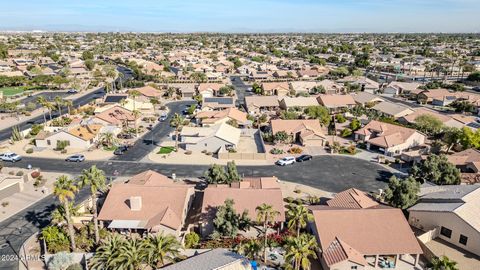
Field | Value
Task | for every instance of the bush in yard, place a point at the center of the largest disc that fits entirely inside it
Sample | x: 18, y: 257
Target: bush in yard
x: 276, y: 151
x: 295, y: 150
x: 60, y: 261
x: 346, y: 132
x: 19, y: 173
x: 35, y: 174
x: 188, y: 152
x: 191, y: 240
x: 29, y: 151
x: 340, y: 118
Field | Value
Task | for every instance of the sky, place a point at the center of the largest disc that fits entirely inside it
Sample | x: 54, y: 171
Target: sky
x: 241, y: 15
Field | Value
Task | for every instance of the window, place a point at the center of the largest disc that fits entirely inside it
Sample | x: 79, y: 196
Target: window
x: 463, y: 239
x: 49, y: 142
x: 446, y: 232
x: 354, y: 267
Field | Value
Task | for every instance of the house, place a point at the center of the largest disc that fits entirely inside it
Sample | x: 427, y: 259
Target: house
x: 149, y: 202
x: 389, y: 138
x: 116, y: 116
x: 447, y: 120
x: 217, y: 259
x: 392, y: 110
x: 367, y: 99
x: 451, y: 214
x: 307, y: 132
x: 331, y: 87
x: 210, y: 139
x: 186, y: 90
x: 209, y: 89
x: 285, y: 74
x: 467, y: 160
x: 275, y: 89
x: 212, y: 118
x: 366, y: 84
x: 148, y: 92
x: 218, y: 103
x: 78, y: 137
x: 298, y: 102
x: 256, y: 75
x: 437, y: 97
x: 303, y: 87
x: 397, y: 88
x: 336, y: 103
x: 366, y: 236
x: 246, y: 195
x: 308, y: 73
x: 261, y: 104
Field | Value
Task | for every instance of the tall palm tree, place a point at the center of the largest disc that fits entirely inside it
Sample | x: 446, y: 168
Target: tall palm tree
x: 42, y: 101
x: 265, y: 215
x: 69, y: 104
x: 299, y: 250
x: 96, y: 179
x: 131, y: 255
x: 298, y: 217
x: 161, y: 249
x: 443, y: 263
x: 64, y: 190
x: 108, y: 139
x: 136, y: 114
x: 134, y: 94
x: 58, y: 103
x: 107, y: 253
x: 177, y: 122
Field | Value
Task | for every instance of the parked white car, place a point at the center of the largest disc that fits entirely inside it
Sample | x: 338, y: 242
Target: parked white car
x: 286, y: 161
x: 12, y: 157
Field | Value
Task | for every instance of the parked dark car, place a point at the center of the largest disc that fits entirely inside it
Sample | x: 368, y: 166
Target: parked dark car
x: 120, y: 150
x: 125, y: 136
x: 303, y: 158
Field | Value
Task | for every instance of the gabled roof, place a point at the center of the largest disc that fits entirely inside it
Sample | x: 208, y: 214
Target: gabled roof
x: 392, y: 109
x: 339, y: 251
x: 150, y: 178
x: 211, y: 260
x: 299, y: 101
x: 214, y: 116
x: 116, y: 115
x: 295, y: 126
x: 334, y: 101
x: 86, y: 132
x: 352, y: 198
x: 388, y: 134
x: 148, y: 91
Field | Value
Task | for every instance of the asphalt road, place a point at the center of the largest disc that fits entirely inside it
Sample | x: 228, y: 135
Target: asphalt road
x: 48, y: 95
x: 146, y: 144
x: 240, y: 89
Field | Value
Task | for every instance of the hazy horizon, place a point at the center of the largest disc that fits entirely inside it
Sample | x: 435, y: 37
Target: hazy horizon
x: 248, y: 16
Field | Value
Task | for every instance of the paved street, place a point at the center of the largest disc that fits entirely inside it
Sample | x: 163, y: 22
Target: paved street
x: 240, y: 89
x: 146, y: 144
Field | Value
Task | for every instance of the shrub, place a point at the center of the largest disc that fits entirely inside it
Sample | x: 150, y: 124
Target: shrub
x: 188, y: 152
x: 19, y: 173
x: 276, y: 151
x: 295, y: 150
x: 60, y: 261
x: 340, y: 118
x: 5, y: 204
x: 191, y: 240
x: 35, y: 174
x: 64, y: 151
x: 346, y: 132
x: 29, y: 151
x: 75, y: 266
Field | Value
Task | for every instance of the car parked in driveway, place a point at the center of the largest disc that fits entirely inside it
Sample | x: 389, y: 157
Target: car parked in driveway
x: 120, y: 150
x: 285, y: 161
x: 11, y: 157
x: 303, y: 158
x: 75, y: 158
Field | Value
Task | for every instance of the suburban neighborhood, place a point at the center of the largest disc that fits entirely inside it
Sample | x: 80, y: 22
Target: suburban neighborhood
x: 204, y: 150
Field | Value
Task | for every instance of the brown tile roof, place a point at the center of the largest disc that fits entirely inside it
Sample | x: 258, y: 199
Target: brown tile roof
x: 244, y: 198
x: 149, y: 91
x: 116, y: 115
x: 151, y: 178
x: 371, y: 231
x: 422, y: 111
x: 214, y: 116
x: 160, y: 205
x: 390, y: 134
x: 261, y: 101
x: 87, y: 132
x: 352, y: 198
x: 271, y: 86
x: 209, y: 86
x: 464, y: 157
x: 257, y: 183
x: 333, y: 101
x: 304, y: 126
x: 339, y: 251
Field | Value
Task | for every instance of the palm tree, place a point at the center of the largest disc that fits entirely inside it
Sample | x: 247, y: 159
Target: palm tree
x: 107, y: 253
x: 266, y: 215
x: 443, y: 263
x: 249, y: 248
x: 64, y: 190
x: 96, y: 179
x: 134, y: 94
x: 299, y: 250
x: 42, y: 101
x: 136, y: 114
x: 58, y: 103
x: 160, y: 249
x: 59, y: 214
x: 130, y: 255
x: 108, y: 139
x: 177, y: 122
x: 298, y: 217
x: 69, y: 104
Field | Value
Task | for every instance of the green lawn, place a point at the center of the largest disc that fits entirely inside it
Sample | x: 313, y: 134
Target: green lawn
x: 166, y: 150
x: 11, y: 91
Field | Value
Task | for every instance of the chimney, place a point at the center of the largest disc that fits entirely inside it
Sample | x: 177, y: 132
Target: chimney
x: 135, y: 203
